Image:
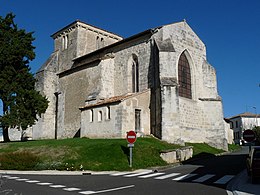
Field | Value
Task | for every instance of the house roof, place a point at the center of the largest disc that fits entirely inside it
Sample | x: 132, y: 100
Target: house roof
x: 245, y: 114
x: 112, y: 100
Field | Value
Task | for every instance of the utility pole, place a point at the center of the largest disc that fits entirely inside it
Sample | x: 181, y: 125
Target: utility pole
x: 255, y: 116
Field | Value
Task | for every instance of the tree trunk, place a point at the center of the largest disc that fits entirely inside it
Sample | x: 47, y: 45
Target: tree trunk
x: 5, y: 129
x: 5, y: 134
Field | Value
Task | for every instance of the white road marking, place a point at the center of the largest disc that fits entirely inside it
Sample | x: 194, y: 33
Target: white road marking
x: 32, y: 181
x: 224, y: 180
x: 187, y: 176
x: 20, y: 179
x: 203, y: 178
x: 71, y: 189
x: 167, y: 176
x: 57, y: 186
x: 9, y: 177
x: 137, y: 174
x: 151, y: 175
x: 88, y: 192
x: 108, y: 190
x: 120, y: 173
x: 44, y: 184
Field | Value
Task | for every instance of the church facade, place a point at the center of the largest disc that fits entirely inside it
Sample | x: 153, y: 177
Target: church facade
x: 157, y: 82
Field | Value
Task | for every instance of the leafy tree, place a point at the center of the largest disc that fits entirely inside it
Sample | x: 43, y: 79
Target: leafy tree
x: 257, y: 133
x: 21, y: 103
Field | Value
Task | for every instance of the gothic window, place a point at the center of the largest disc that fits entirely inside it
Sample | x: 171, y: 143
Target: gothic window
x: 135, y: 75
x: 184, y: 77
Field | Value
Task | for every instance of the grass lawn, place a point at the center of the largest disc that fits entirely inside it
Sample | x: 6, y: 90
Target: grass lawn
x: 87, y: 154
x: 81, y: 153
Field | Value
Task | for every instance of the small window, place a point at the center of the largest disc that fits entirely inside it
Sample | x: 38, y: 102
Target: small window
x: 100, y: 116
x: 108, y: 117
x: 97, y: 43
x: 231, y: 125
x: 137, y: 120
x: 65, y: 42
x: 135, y: 75
x: 236, y: 124
x: 91, y: 116
x: 102, y: 42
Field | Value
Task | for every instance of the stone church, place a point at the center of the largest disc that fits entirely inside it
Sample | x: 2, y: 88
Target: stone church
x: 157, y: 82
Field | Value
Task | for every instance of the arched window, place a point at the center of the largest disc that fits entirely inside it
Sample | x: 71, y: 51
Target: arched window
x: 108, y: 117
x: 91, y: 116
x: 102, y: 42
x: 135, y: 75
x: 99, y: 116
x: 184, y: 77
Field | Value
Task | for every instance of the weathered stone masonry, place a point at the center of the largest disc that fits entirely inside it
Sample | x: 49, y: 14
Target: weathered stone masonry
x: 101, y: 85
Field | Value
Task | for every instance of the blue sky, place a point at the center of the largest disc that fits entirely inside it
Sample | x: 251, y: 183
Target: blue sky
x: 229, y: 28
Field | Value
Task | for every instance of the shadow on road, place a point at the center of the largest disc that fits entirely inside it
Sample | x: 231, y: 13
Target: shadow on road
x: 216, y: 167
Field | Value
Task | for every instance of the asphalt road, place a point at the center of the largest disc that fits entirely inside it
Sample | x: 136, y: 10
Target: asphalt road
x: 202, y: 176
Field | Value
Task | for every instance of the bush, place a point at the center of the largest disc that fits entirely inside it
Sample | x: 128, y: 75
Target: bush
x: 257, y: 133
x: 18, y: 161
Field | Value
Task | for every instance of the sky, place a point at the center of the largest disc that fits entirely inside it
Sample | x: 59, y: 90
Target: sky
x: 230, y: 30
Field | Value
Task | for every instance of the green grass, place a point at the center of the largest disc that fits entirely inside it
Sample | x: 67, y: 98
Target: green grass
x: 77, y: 153
x: 87, y: 154
x: 233, y: 147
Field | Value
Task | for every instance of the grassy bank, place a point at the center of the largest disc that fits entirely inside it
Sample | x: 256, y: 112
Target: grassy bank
x: 86, y: 154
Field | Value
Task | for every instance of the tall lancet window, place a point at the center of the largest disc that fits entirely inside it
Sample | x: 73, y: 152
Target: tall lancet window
x: 135, y: 75
x: 184, y: 77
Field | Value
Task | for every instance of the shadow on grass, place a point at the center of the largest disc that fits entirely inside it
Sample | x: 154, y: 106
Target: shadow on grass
x: 126, y: 151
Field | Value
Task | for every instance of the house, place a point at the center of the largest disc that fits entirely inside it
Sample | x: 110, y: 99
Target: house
x: 157, y: 82
x: 241, y: 122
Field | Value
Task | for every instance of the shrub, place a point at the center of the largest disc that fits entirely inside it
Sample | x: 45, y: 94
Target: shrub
x: 257, y: 133
x: 22, y: 160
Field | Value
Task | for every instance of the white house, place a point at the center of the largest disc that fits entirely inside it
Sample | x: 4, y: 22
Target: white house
x: 242, y: 122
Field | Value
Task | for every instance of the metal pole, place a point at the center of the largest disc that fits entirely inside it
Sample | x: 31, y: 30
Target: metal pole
x: 255, y: 117
x: 131, y: 156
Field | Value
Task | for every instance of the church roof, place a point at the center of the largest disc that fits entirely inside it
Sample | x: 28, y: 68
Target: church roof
x: 147, y: 32
x: 73, y: 24
x: 167, y: 45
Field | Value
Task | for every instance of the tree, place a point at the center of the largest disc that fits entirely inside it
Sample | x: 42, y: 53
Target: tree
x: 22, y: 104
x: 256, y: 129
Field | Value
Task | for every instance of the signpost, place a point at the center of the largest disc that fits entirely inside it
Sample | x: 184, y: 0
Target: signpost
x: 249, y: 136
x: 131, y: 138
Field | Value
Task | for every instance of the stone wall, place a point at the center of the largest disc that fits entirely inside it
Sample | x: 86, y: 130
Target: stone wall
x: 95, y: 122
x: 75, y: 88
x: 199, y: 119
x: 178, y: 155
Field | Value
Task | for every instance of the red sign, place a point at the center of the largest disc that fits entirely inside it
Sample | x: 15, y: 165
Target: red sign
x: 131, y: 137
x: 249, y: 135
